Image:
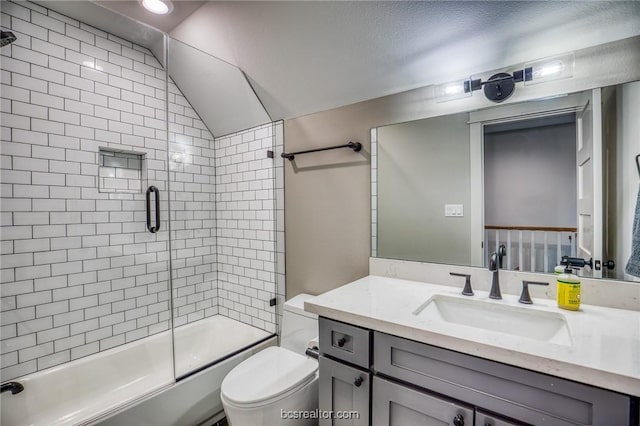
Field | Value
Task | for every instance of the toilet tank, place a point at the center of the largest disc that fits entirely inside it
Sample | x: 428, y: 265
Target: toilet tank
x: 298, y: 326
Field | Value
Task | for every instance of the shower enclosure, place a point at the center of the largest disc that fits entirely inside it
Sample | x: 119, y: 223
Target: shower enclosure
x: 140, y: 204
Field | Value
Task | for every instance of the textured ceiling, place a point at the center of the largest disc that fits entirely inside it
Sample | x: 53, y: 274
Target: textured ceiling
x: 303, y: 57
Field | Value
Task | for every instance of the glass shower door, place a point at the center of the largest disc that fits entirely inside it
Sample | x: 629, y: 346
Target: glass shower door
x: 85, y: 280
x: 223, y: 251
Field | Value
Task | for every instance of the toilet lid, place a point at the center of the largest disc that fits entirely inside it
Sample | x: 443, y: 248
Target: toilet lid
x: 266, y: 375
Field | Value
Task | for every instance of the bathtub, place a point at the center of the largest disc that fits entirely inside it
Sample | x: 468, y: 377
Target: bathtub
x: 199, y: 343
x: 95, y: 387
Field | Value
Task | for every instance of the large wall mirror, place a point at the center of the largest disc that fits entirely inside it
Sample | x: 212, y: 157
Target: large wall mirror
x: 545, y: 178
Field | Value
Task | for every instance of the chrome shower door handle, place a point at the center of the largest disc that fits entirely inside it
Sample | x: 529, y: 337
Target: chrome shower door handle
x: 153, y: 229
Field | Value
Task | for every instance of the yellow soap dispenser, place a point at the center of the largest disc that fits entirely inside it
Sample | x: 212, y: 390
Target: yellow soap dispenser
x: 568, y: 290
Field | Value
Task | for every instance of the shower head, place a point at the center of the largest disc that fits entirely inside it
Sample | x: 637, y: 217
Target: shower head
x: 7, y: 37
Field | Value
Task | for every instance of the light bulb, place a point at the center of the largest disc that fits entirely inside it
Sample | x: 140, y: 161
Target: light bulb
x: 548, y: 70
x: 453, y: 89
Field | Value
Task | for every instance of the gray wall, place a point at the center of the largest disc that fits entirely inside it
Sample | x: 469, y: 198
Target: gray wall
x: 423, y: 165
x: 610, y: 183
x: 530, y: 177
x: 628, y: 146
x: 621, y: 105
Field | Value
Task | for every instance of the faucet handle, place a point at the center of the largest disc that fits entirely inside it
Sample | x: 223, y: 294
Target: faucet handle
x: 493, y: 262
x: 525, y: 297
x: 467, y: 290
x: 502, y: 252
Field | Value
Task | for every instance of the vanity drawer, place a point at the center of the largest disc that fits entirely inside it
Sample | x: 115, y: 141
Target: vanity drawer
x: 514, y: 392
x: 345, y: 342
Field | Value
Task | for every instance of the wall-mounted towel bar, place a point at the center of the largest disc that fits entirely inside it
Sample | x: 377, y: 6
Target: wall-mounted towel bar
x: 356, y: 146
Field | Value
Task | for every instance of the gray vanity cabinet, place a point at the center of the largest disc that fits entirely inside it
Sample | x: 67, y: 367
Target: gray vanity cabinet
x: 397, y: 405
x: 343, y: 389
x: 403, y: 382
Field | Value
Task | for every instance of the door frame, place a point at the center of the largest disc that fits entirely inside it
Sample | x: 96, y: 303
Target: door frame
x: 594, y: 203
x: 502, y: 114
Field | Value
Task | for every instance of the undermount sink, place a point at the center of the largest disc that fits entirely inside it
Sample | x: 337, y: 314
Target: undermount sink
x: 518, y: 321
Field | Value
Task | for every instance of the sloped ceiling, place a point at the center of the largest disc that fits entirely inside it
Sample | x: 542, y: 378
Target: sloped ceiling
x: 218, y: 91
x: 304, y: 57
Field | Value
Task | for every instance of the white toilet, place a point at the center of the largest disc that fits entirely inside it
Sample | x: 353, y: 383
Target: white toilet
x: 278, y: 381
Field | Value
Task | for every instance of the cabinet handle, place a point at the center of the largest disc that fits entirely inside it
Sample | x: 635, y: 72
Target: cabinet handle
x: 342, y: 341
x: 358, y: 382
x: 458, y: 420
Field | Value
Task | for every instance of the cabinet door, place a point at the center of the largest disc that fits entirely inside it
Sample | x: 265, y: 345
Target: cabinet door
x: 343, y: 394
x: 486, y: 419
x: 398, y: 405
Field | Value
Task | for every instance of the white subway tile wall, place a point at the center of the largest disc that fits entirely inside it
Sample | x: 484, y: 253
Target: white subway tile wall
x: 80, y: 273
x: 247, y: 225
x: 193, y: 224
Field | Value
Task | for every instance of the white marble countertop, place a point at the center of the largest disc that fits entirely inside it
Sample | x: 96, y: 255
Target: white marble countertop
x: 605, y: 349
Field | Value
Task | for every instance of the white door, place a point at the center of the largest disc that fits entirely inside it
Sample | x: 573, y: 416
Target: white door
x: 589, y: 180
x: 503, y: 113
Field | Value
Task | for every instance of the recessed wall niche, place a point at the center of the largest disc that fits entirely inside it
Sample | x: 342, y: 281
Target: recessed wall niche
x: 120, y: 171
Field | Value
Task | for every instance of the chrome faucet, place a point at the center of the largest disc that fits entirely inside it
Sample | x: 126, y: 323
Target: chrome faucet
x: 495, y: 262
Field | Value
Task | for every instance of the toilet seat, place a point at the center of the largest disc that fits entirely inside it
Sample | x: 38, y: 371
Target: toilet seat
x: 271, y: 374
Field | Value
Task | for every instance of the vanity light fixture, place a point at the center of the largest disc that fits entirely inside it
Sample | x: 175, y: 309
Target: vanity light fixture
x: 502, y: 85
x: 160, y: 7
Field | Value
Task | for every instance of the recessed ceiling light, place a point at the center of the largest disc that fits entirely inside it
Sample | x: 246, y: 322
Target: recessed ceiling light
x: 160, y: 7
